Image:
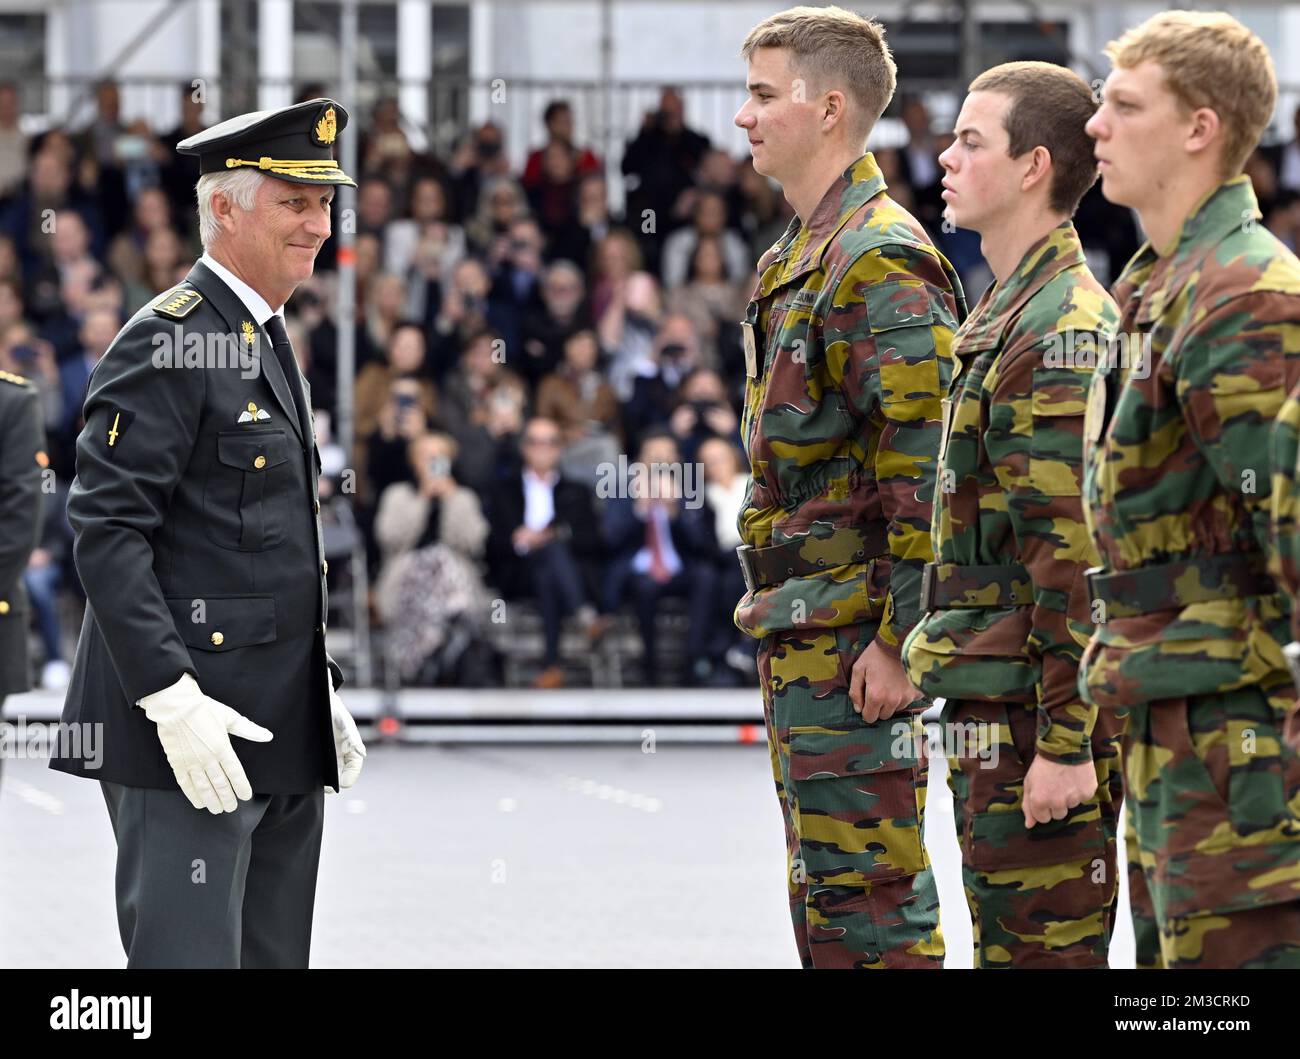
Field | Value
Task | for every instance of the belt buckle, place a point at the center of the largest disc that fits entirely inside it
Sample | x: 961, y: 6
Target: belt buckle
x: 1090, y: 576
x: 927, y: 588
x: 1291, y: 652
x: 743, y: 553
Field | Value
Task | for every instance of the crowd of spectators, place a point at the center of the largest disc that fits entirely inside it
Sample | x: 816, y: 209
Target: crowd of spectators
x: 516, y: 336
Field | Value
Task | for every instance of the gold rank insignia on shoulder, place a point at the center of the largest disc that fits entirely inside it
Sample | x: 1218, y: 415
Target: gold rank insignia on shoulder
x: 177, y: 303
x: 9, y: 376
x: 253, y: 414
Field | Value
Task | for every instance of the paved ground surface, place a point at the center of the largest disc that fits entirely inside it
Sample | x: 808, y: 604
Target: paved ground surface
x: 485, y: 856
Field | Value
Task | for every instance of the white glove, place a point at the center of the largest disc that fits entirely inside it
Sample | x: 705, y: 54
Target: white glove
x: 349, y: 751
x: 195, y: 733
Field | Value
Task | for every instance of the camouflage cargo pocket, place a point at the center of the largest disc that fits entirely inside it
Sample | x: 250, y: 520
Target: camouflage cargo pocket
x: 856, y: 799
x: 1216, y: 793
x: 1056, y: 445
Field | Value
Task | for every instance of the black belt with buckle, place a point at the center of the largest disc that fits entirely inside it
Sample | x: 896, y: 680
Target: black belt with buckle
x: 811, y: 554
x: 1172, y: 586
x: 945, y: 586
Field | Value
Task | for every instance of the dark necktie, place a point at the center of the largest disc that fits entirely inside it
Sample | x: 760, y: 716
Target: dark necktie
x: 284, y: 354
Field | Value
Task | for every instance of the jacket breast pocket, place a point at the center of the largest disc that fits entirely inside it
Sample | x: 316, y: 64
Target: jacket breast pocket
x: 901, y: 317
x: 245, y: 498
x: 1057, y: 406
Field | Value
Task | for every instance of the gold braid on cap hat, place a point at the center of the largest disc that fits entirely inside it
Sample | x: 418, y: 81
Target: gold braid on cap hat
x: 311, y: 168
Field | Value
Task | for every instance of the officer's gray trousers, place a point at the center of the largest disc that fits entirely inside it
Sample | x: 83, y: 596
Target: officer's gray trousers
x: 196, y: 889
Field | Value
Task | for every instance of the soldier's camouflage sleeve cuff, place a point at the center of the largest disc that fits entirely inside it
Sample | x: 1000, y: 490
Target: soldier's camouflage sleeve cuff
x: 1063, y: 739
x: 890, y: 640
x: 891, y: 633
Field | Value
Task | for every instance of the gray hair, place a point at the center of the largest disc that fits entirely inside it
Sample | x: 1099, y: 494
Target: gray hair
x: 565, y: 267
x: 239, y: 185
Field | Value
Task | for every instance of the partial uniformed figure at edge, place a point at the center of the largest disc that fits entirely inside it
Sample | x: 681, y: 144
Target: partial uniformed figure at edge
x: 1034, y: 771
x: 198, y: 541
x: 847, y: 351
x: 22, y: 458
x: 1190, y: 626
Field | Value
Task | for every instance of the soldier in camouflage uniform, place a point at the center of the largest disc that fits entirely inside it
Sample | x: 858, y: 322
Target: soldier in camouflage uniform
x: 1190, y: 626
x: 1006, y: 606
x: 848, y: 336
x: 1285, y: 538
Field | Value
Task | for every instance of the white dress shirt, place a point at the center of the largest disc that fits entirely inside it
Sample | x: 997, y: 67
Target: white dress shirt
x: 253, y: 301
x: 539, y: 499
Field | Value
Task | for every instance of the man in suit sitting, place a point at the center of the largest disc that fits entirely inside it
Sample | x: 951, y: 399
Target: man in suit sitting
x: 660, y: 534
x: 545, y: 541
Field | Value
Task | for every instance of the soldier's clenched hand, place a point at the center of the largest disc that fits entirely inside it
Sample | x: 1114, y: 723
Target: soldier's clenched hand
x: 1053, y: 789
x: 878, y: 686
x: 195, y: 733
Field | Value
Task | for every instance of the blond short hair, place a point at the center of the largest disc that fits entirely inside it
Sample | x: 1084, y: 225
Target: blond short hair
x: 1209, y: 59
x: 836, y: 49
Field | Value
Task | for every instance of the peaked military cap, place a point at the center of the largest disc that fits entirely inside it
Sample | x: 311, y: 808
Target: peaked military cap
x: 294, y: 143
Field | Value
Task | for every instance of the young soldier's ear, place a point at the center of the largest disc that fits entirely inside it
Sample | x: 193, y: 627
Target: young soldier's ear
x: 1040, y: 167
x: 834, y: 107
x: 1206, y: 125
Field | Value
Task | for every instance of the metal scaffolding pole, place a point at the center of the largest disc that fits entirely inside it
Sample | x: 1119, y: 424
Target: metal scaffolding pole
x: 607, y: 142
x: 970, y: 42
x: 346, y: 232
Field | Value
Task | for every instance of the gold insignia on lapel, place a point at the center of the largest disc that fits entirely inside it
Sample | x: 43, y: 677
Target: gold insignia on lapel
x: 253, y: 414
x: 247, y: 328
x: 327, y: 128
x: 177, y: 303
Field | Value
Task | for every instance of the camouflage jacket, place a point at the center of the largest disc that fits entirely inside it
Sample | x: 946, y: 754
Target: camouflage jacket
x: 1009, y: 494
x: 1284, y: 555
x: 852, y: 321
x: 1178, y: 469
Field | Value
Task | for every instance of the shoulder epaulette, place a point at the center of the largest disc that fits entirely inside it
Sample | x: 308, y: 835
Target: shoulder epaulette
x: 17, y: 380
x: 177, y: 303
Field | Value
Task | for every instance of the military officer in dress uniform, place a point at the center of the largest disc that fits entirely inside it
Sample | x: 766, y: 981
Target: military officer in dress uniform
x: 22, y: 457
x: 198, y: 541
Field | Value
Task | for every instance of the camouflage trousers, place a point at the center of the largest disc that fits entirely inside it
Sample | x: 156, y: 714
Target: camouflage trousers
x: 1214, y: 796
x: 862, y: 891
x: 1044, y: 896
x: 1146, y: 933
